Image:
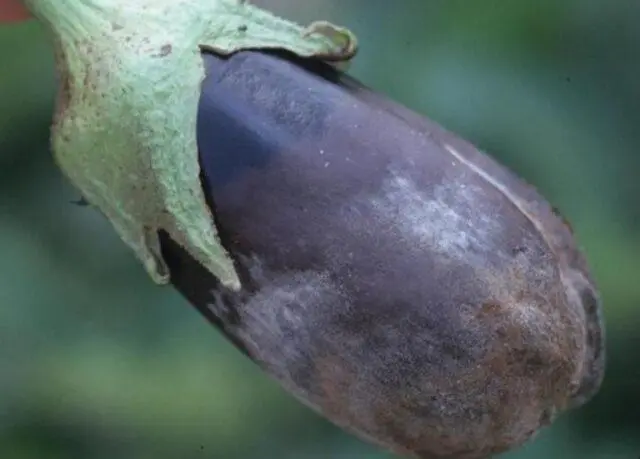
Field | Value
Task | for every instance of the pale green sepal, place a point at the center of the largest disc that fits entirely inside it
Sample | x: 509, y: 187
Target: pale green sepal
x: 125, y: 128
x: 243, y: 26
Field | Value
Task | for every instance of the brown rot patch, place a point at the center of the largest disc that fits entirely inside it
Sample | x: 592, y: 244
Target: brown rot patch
x: 490, y: 308
x: 335, y: 380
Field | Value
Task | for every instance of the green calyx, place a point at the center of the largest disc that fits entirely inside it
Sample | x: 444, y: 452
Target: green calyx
x: 125, y: 128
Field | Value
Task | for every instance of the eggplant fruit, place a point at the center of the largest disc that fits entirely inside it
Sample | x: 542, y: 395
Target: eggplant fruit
x: 395, y: 278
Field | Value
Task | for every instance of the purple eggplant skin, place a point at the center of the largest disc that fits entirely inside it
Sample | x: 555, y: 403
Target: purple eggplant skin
x: 395, y: 279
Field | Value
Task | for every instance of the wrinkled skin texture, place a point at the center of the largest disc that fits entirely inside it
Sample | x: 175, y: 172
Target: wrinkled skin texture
x: 395, y: 279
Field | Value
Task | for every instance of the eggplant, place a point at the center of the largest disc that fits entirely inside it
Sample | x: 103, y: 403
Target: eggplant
x: 396, y: 279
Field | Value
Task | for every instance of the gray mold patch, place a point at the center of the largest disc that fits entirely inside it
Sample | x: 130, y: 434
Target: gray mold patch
x: 279, y: 323
x: 451, y: 220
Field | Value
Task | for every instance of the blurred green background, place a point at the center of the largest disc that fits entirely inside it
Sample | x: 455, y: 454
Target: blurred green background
x: 96, y: 362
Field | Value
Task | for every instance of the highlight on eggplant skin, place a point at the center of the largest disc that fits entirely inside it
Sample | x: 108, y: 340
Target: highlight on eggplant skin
x: 396, y: 279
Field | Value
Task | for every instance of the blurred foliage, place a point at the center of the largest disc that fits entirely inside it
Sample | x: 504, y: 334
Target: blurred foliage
x: 95, y: 362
